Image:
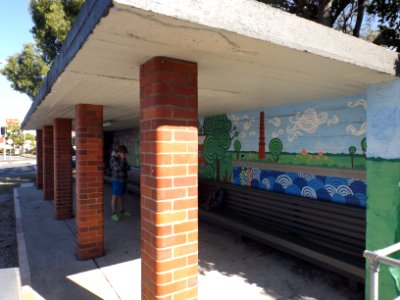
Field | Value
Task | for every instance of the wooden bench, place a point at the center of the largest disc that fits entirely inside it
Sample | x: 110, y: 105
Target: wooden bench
x: 327, y: 234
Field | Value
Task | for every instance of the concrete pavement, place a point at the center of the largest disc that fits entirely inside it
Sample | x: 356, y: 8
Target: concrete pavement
x: 228, y: 268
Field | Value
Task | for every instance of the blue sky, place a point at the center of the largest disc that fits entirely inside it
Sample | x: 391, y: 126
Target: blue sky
x: 15, y: 25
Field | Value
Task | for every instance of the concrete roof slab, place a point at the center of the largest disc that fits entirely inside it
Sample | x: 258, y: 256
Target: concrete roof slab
x: 245, y: 50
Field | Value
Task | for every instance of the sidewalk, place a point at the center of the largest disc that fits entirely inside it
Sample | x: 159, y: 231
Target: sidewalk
x: 228, y: 268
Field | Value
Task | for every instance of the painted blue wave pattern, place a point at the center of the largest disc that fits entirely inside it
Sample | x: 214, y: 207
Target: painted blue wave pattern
x: 350, y: 191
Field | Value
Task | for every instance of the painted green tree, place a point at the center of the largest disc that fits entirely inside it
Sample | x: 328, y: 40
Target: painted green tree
x: 237, y: 146
x: 352, y: 151
x: 364, y: 145
x: 275, y: 147
x: 219, y: 136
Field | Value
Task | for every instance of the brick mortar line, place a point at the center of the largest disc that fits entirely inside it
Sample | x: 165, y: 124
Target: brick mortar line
x: 22, y: 253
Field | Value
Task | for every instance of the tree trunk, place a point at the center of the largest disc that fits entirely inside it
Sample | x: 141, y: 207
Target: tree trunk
x: 360, y: 16
x: 325, y: 12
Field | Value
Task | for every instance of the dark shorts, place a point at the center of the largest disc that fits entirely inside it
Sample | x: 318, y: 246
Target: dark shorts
x: 118, y: 188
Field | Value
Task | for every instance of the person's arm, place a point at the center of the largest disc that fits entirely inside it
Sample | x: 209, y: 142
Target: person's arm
x: 115, y: 165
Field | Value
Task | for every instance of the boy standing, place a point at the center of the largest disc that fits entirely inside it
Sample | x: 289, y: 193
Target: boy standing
x: 119, y: 170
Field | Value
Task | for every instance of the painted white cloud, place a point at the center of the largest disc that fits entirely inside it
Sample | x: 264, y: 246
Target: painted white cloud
x: 363, y: 128
x: 334, y: 120
x: 308, y: 122
x: 234, y: 119
x: 359, y: 102
x: 252, y: 133
x: 247, y: 122
x: 275, y: 121
x: 351, y: 129
x: 277, y: 133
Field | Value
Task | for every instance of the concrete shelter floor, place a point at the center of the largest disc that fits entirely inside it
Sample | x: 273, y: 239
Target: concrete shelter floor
x: 228, y: 267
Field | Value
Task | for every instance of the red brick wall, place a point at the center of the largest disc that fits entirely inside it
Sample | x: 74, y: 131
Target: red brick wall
x: 62, y: 169
x: 169, y: 229
x: 48, y: 163
x: 39, y: 159
x: 89, y: 181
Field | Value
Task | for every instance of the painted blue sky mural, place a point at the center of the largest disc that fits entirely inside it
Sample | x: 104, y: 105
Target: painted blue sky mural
x: 330, y: 126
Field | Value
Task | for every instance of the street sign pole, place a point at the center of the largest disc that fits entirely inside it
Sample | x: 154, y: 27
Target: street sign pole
x: 4, y: 140
x: 10, y: 142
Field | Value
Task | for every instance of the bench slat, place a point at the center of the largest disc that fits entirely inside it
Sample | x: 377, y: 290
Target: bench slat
x: 267, y: 204
x: 337, y: 230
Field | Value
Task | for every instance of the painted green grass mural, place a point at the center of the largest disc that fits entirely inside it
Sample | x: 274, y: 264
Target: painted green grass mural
x: 327, y: 160
x: 328, y: 134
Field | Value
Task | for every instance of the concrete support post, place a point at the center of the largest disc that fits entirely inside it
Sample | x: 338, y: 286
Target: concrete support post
x: 89, y: 181
x: 383, y: 178
x: 39, y: 159
x: 62, y: 169
x: 169, y: 208
x: 48, y: 163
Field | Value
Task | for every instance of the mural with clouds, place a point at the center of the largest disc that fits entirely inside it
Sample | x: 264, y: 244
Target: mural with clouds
x: 328, y: 134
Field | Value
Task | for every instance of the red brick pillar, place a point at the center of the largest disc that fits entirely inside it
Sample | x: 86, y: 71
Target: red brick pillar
x: 89, y: 181
x: 48, y: 163
x: 62, y: 169
x: 169, y: 209
x: 39, y: 159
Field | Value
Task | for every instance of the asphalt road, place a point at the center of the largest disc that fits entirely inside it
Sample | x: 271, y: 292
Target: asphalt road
x: 17, y: 166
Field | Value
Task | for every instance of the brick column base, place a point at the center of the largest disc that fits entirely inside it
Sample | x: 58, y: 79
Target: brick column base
x: 89, y: 181
x: 169, y: 229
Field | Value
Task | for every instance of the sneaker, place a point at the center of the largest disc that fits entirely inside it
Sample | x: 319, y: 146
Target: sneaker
x: 126, y: 213
x: 115, y: 217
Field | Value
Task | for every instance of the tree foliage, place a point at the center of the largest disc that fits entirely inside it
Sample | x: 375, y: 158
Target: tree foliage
x: 350, y: 15
x: 219, y: 135
x: 14, y: 132
x: 52, y: 20
x: 18, y: 136
x: 26, y: 70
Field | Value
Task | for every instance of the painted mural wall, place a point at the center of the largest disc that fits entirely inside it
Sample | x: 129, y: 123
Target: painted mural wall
x: 383, y: 173
x: 324, y: 134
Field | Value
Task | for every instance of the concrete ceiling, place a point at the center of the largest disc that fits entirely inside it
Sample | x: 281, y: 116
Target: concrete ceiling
x: 237, y: 71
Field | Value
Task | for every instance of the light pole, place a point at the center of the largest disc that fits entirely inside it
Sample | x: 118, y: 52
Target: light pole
x: 3, y: 135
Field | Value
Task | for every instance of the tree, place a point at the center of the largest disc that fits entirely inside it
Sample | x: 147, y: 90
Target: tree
x: 52, y: 20
x: 364, y: 145
x: 388, y: 12
x: 237, y: 146
x: 219, y: 136
x: 14, y: 133
x: 26, y: 70
x: 352, y: 151
x: 349, y: 16
x: 275, y: 147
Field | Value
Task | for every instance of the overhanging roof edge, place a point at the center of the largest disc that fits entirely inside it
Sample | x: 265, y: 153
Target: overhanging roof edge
x: 257, y: 20
x: 90, y: 14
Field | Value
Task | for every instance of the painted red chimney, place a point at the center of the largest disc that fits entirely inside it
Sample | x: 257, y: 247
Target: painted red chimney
x: 261, y: 143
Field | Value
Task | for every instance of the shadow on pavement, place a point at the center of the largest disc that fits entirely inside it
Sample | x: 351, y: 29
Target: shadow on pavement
x: 228, y: 267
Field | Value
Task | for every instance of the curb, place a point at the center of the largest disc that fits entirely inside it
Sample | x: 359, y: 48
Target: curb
x: 22, y: 253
